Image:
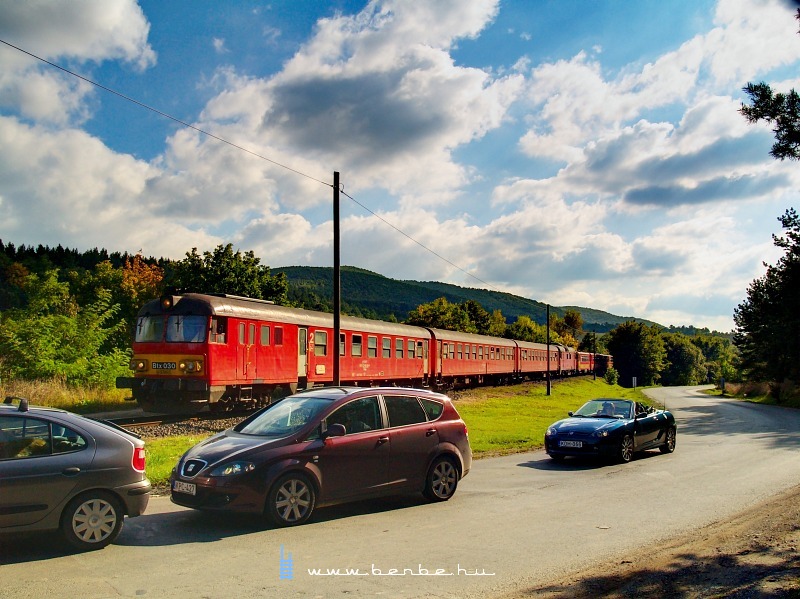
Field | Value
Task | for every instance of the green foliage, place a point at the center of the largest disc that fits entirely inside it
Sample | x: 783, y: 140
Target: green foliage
x: 638, y: 351
x: 767, y: 321
x: 685, y: 363
x: 55, y: 338
x: 611, y: 376
x: 524, y: 329
x: 441, y: 314
x: 223, y: 271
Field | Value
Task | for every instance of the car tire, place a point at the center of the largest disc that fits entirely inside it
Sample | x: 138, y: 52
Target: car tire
x: 442, y: 480
x: 670, y: 441
x: 291, y: 500
x: 625, y: 453
x: 92, y: 520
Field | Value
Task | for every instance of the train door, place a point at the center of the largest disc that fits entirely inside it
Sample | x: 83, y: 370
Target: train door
x: 302, y: 355
x: 440, y: 357
x: 245, y: 351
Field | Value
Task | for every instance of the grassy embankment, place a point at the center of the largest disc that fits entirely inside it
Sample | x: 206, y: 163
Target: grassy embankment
x: 501, y: 420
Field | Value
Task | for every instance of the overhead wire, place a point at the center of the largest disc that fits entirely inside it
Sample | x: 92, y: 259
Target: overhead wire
x: 243, y: 149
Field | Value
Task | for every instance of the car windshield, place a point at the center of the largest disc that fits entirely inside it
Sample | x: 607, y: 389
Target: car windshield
x: 285, y: 417
x: 606, y: 408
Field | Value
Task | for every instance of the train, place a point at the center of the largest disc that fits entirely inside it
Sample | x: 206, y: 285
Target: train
x: 222, y: 352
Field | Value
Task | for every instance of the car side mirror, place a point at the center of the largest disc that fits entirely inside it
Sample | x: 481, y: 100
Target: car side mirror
x: 335, y: 430
x: 569, y: 413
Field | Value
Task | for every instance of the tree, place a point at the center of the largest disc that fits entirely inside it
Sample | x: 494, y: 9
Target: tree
x: 441, y: 314
x: 223, y: 271
x: 638, y: 351
x: 780, y: 110
x: 478, y: 316
x: 768, y: 320
x: 685, y: 364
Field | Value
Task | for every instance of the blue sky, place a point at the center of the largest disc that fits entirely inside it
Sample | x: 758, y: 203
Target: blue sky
x: 577, y: 153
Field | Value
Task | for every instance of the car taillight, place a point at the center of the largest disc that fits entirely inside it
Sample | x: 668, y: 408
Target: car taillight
x: 138, y: 459
x: 465, y: 431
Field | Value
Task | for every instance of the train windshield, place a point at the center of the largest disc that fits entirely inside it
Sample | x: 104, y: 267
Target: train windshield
x: 149, y: 328
x: 285, y: 417
x: 186, y: 329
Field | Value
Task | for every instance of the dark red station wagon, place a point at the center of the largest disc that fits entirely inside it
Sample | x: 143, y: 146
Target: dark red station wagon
x: 326, y: 446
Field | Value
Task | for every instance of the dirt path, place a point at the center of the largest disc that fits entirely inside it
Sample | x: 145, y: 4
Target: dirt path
x: 753, y: 555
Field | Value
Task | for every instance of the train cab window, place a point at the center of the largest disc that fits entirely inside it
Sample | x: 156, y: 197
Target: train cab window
x: 399, y: 348
x: 264, y: 335
x: 387, y: 347
x: 372, y: 347
x: 278, y: 335
x: 320, y: 343
x: 412, y: 346
x: 356, y: 346
x: 218, y: 328
x: 186, y: 329
x: 341, y: 344
x: 149, y: 328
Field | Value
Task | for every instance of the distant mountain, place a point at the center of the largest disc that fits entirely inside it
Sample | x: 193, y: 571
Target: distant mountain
x: 371, y: 295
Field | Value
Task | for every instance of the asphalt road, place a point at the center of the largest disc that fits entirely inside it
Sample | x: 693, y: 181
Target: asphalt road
x: 515, y: 522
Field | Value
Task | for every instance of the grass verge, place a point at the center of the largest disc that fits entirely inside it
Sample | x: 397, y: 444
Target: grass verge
x: 56, y: 394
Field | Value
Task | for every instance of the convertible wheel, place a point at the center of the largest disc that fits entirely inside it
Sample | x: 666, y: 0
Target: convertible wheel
x: 291, y: 500
x: 626, y: 449
x: 442, y: 480
x: 92, y: 520
x: 669, y: 443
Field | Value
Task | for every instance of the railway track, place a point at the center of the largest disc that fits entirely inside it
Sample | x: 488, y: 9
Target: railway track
x: 162, y: 425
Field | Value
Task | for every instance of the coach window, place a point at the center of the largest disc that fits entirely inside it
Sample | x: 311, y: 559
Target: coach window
x: 372, y: 347
x: 387, y: 347
x: 398, y: 348
x: 412, y: 349
x: 480, y: 352
x: 341, y: 344
x: 355, y: 346
x: 474, y: 352
x: 320, y: 343
x: 264, y: 335
x: 278, y: 335
x: 251, y: 334
x: 460, y: 351
x: 422, y: 349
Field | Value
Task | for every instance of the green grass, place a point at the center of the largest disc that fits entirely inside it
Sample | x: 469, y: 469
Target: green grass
x: 504, y: 420
x: 56, y: 394
x: 162, y: 455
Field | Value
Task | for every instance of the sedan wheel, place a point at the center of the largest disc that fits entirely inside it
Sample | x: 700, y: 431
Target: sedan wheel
x: 92, y: 521
x: 291, y: 500
x: 442, y: 480
x: 626, y: 449
x: 669, y: 443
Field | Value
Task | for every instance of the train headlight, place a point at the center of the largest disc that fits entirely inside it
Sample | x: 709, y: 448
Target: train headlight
x: 191, y: 366
x: 138, y: 365
x: 232, y: 469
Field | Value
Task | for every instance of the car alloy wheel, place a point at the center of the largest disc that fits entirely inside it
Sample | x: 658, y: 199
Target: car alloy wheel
x: 669, y: 443
x: 626, y: 449
x: 92, y: 521
x: 442, y: 480
x: 291, y: 500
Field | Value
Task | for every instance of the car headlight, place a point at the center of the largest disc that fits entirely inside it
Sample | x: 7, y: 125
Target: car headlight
x: 601, y: 433
x: 551, y: 432
x: 232, y: 469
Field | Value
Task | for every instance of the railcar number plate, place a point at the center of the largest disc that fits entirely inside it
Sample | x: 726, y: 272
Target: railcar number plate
x: 570, y: 443
x: 163, y: 365
x: 182, y: 487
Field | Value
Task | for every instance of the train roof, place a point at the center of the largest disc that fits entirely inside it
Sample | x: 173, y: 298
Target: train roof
x: 242, y: 307
x: 443, y: 335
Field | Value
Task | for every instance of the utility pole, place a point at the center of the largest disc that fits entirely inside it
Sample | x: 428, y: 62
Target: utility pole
x: 337, y: 282
x: 549, y: 387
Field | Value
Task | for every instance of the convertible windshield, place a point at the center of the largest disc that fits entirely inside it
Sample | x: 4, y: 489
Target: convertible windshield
x: 606, y: 408
x: 285, y: 417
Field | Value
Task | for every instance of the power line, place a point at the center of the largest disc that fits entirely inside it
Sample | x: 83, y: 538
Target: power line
x: 243, y: 149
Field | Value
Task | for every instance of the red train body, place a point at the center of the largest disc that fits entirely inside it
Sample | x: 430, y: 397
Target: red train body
x: 196, y: 350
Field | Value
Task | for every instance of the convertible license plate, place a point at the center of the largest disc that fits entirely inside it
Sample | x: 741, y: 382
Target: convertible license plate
x: 182, y: 487
x: 570, y: 443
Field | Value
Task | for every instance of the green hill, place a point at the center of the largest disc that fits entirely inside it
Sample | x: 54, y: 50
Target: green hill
x: 371, y: 295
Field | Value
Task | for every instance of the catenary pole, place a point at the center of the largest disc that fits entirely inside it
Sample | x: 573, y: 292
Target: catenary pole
x: 337, y: 282
x: 548, y: 350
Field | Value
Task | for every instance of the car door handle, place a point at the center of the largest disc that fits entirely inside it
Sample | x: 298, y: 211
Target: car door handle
x: 383, y: 440
x: 71, y: 471
x: 430, y: 431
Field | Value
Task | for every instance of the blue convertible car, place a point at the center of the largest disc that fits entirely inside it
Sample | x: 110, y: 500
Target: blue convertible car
x: 614, y: 428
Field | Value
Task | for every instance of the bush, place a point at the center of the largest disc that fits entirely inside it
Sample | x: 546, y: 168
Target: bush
x: 611, y: 376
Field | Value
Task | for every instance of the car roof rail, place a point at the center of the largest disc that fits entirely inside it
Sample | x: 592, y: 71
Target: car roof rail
x: 23, y: 403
